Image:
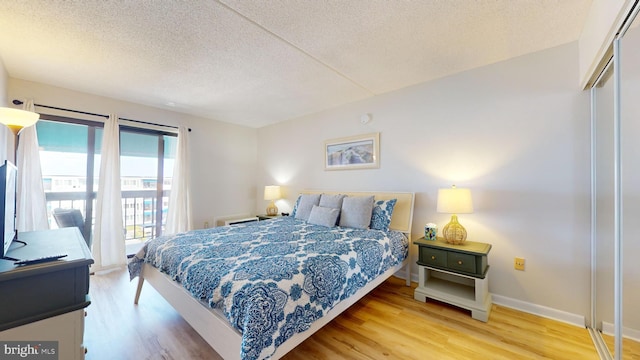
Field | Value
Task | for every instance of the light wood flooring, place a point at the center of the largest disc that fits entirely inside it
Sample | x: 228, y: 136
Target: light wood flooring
x: 386, y: 324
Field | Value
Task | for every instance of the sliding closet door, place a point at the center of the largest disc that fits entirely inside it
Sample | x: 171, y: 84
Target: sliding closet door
x: 604, y: 207
x: 630, y: 133
x: 616, y: 198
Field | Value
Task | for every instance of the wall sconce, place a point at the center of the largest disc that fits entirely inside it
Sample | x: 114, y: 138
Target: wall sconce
x: 272, y: 192
x: 454, y: 201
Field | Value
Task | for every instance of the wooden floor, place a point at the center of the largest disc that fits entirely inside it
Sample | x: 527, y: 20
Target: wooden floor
x: 630, y: 349
x: 386, y: 324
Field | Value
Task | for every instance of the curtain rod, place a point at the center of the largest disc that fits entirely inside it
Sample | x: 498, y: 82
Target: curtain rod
x: 20, y: 102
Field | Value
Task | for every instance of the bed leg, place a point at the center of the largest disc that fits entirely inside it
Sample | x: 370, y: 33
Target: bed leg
x: 407, y: 273
x: 139, y: 289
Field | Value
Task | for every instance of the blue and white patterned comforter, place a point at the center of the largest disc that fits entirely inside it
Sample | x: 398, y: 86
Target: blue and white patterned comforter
x: 273, y: 279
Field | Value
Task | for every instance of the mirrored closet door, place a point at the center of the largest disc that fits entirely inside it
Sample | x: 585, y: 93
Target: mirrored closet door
x: 603, y: 207
x: 616, y: 200
x: 629, y: 53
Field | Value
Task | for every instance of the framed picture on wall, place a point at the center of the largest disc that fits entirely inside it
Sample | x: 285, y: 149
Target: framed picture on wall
x: 355, y: 152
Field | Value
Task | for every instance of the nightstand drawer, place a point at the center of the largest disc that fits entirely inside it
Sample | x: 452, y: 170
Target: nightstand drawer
x: 469, y: 259
x: 461, y: 262
x: 432, y: 257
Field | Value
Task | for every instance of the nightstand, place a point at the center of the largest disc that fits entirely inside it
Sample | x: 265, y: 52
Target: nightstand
x: 455, y: 274
x: 267, y: 217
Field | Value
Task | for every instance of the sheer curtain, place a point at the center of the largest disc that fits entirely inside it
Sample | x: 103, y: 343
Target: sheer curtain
x: 5, y: 143
x: 108, y: 237
x: 179, y: 215
x: 32, y: 205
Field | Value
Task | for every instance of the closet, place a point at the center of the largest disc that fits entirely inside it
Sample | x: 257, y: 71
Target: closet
x: 615, y: 160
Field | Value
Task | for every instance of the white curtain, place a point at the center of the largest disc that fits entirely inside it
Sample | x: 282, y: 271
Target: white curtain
x: 32, y: 205
x: 179, y: 215
x: 6, y: 139
x: 108, y: 236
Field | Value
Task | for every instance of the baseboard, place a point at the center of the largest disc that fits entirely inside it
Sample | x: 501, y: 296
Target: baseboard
x: 629, y: 333
x: 401, y: 274
x: 539, y: 310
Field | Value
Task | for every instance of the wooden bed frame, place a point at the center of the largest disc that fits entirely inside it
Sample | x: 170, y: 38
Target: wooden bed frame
x: 215, y: 328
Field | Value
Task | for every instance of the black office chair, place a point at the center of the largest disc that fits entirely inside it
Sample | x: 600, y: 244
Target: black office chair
x: 70, y: 218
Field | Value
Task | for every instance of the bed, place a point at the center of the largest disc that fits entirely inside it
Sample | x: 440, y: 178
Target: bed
x: 272, y: 284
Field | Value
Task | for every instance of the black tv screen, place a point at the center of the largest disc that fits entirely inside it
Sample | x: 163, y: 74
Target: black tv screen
x: 8, y: 184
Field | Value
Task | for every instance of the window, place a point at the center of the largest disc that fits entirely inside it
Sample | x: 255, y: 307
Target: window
x: 70, y: 157
x: 145, y: 160
x: 67, y: 151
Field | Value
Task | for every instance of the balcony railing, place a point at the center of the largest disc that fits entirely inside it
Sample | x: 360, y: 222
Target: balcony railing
x: 139, y: 211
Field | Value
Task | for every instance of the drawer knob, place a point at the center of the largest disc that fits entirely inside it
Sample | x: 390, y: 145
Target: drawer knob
x: 459, y: 262
x: 433, y: 257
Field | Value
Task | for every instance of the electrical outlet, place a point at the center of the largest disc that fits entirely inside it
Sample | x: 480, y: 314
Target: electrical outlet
x: 518, y: 264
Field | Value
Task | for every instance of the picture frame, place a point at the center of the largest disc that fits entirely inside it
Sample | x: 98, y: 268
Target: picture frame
x: 354, y: 152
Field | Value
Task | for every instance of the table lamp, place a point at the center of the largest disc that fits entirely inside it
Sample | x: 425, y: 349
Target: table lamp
x: 454, y: 201
x: 272, y: 192
x: 16, y: 120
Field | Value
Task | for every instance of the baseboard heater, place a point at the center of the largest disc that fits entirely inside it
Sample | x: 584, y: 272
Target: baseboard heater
x: 241, y: 221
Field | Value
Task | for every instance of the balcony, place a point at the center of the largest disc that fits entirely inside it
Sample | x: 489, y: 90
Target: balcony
x: 139, y: 213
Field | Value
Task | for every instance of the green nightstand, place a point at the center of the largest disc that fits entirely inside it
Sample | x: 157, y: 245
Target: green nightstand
x: 455, y: 274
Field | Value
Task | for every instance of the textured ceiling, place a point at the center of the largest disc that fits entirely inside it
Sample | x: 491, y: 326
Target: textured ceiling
x: 255, y: 62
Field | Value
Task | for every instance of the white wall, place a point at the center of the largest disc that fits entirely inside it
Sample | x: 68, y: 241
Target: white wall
x: 4, y: 79
x: 6, y: 144
x: 223, y: 164
x: 516, y: 133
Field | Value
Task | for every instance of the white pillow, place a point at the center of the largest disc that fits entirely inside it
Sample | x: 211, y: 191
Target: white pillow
x: 324, y: 216
x: 331, y: 201
x: 305, y: 205
x: 356, y: 212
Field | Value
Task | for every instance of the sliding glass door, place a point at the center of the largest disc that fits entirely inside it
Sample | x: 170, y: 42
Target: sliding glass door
x: 70, y: 156
x: 146, y: 167
x: 70, y: 160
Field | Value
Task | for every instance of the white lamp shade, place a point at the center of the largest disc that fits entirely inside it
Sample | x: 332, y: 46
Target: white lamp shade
x: 454, y: 201
x: 272, y: 192
x: 16, y: 118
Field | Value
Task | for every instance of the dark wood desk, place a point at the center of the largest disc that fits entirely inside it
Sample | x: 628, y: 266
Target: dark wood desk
x: 36, y: 292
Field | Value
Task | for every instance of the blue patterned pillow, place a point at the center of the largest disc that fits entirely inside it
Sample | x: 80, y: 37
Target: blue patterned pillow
x: 381, y: 215
x: 295, y: 207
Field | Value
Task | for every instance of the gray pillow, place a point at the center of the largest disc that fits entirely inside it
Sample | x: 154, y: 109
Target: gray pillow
x: 331, y: 201
x: 305, y: 205
x: 324, y: 216
x: 356, y: 212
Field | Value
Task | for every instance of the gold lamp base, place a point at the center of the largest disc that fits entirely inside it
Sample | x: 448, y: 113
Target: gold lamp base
x: 453, y: 232
x: 272, y: 209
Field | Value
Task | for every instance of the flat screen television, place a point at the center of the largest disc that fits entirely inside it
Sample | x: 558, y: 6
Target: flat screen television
x: 8, y: 187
